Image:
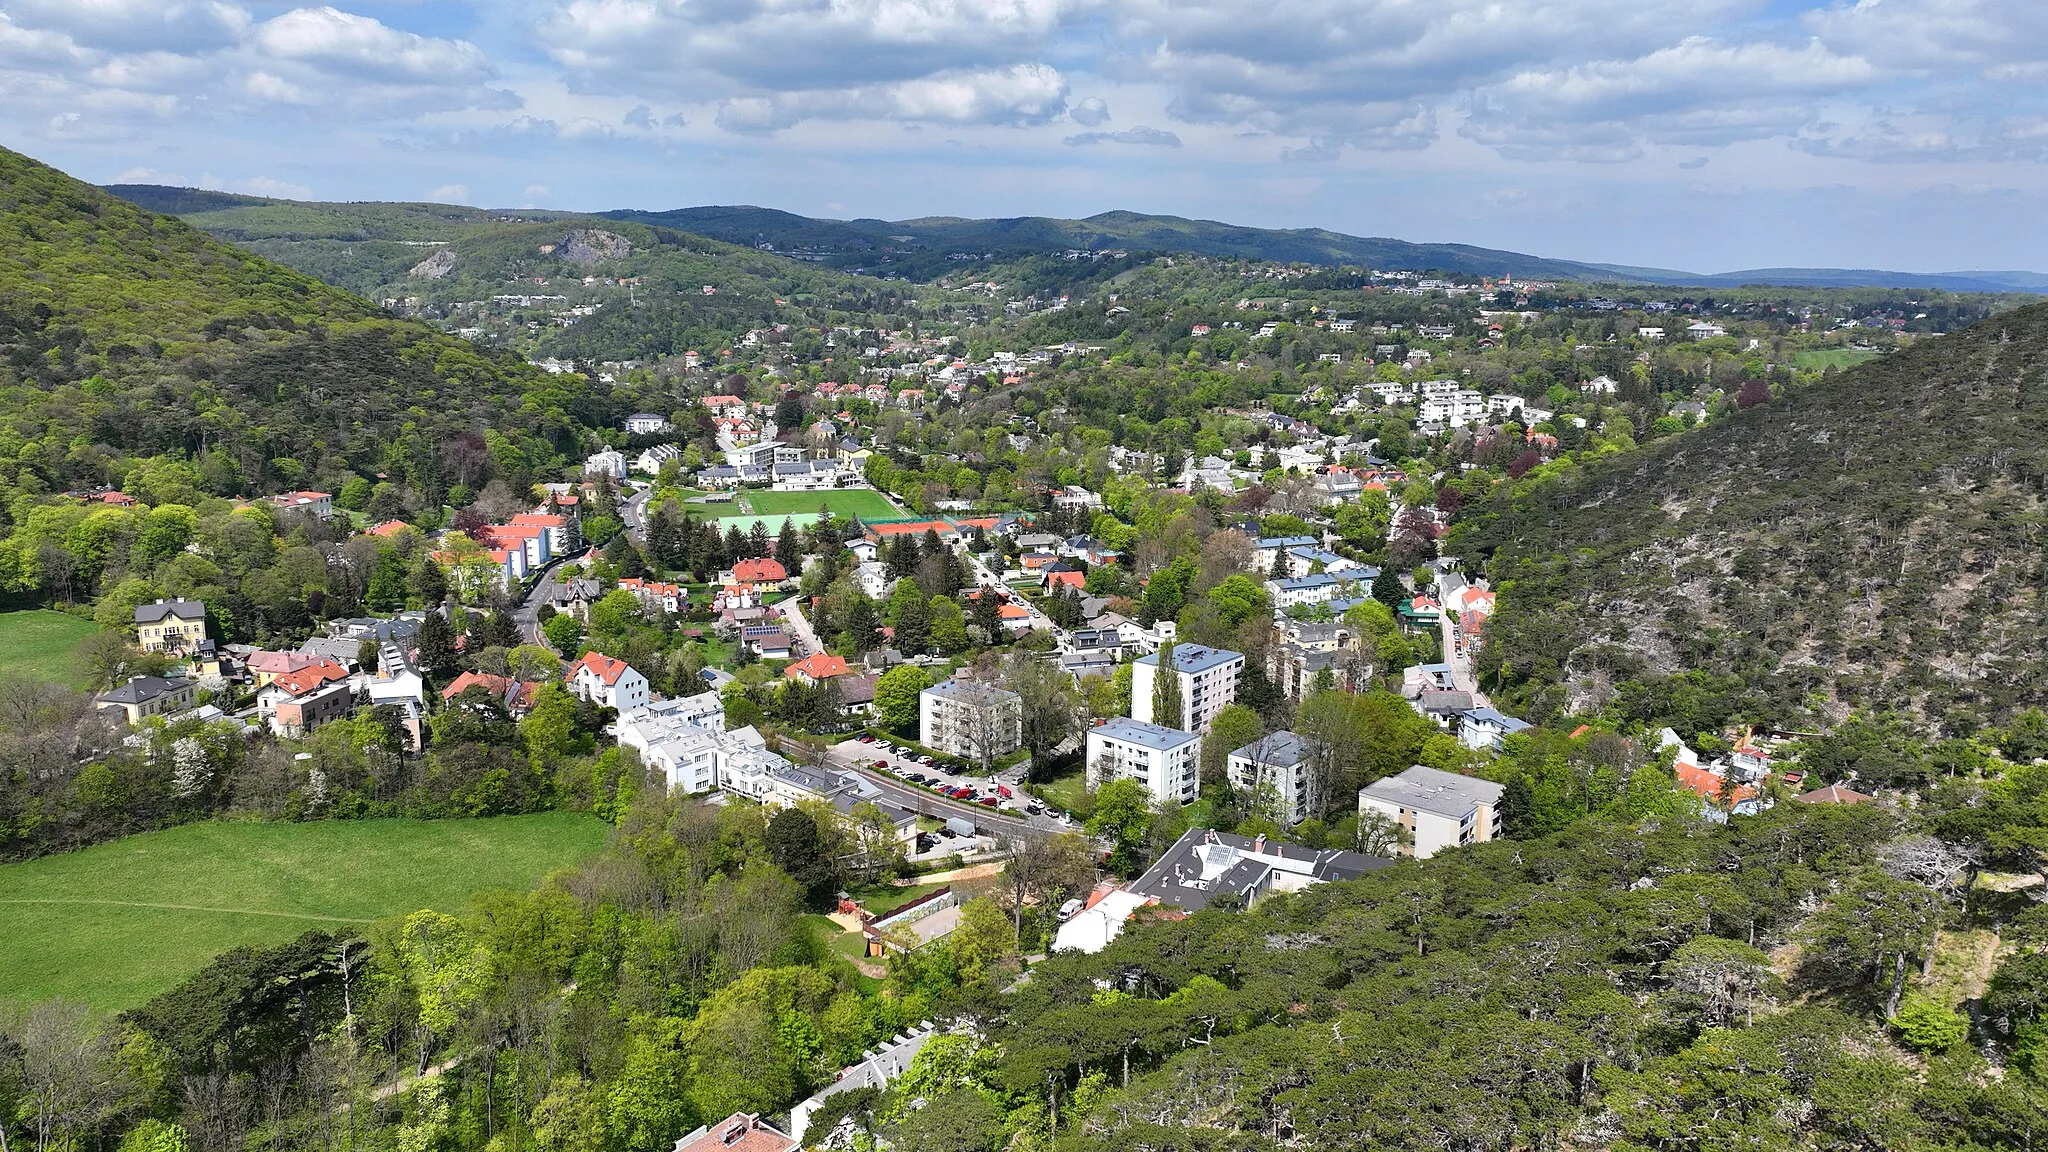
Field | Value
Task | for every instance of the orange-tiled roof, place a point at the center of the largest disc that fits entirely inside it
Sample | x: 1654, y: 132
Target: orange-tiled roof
x: 304, y: 680
x: 389, y: 528
x: 818, y: 666
x: 740, y: 1132
x: 761, y: 571
x: 606, y: 669
x: 503, y: 688
x: 1706, y: 785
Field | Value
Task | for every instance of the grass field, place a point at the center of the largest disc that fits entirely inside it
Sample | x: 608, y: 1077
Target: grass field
x: 1830, y: 357
x: 865, y: 503
x: 36, y: 644
x: 116, y: 924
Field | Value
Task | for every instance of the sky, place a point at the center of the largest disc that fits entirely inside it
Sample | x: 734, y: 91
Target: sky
x: 1708, y: 135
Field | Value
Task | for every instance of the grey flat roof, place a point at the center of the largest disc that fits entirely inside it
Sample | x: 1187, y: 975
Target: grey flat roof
x: 1192, y: 658
x: 1282, y: 749
x: 970, y: 691
x: 1142, y: 734
x: 1433, y: 791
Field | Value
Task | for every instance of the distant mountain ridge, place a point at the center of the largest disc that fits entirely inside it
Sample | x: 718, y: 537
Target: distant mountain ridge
x: 926, y: 246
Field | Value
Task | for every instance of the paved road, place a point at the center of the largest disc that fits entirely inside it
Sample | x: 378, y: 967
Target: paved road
x: 1460, y: 660
x: 799, y: 627
x: 526, y: 617
x: 986, y: 578
x: 633, y: 511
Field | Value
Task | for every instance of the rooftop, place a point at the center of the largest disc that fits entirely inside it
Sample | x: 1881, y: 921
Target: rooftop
x: 1144, y: 735
x: 1433, y: 791
x: 1194, y: 658
x: 1282, y: 749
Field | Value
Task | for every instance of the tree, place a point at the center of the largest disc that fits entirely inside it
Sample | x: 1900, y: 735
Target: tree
x: 1166, y: 693
x: 565, y: 632
x: 948, y: 626
x: 437, y: 647
x: 796, y: 846
x: 896, y: 697
x: 913, y: 623
x: 1046, y: 868
x: 615, y: 613
x: 1233, y: 728
x: 1388, y: 589
x: 1050, y: 708
x: 1123, y: 815
x: 1754, y: 391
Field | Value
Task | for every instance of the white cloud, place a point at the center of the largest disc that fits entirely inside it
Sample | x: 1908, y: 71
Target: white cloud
x: 343, y: 44
x: 179, y: 26
x: 1089, y: 112
x: 276, y: 189
x: 449, y: 194
x: 1154, y: 137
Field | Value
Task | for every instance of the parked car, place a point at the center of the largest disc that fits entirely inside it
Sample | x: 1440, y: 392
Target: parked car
x: 866, y: 739
x: 1069, y: 910
x: 926, y: 761
x: 1003, y: 790
x: 882, y: 765
x: 988, y: 801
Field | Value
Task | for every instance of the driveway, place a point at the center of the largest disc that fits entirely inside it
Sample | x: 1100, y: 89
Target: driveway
x: 798, y: 627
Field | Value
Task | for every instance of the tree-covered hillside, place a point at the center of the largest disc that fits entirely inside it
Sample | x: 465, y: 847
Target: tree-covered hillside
x: 1872, y: 540
x: 126, y: 335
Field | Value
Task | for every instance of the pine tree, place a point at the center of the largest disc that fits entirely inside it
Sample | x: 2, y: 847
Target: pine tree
x: 786, y: 547
x: 1388, y: 589
x: 437, y: 647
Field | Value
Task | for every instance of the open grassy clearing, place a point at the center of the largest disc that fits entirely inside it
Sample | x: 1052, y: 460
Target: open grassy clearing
x: 118, y: 923
x: 1844, y: 358
x: 36, y: 644
x: 865, y: 503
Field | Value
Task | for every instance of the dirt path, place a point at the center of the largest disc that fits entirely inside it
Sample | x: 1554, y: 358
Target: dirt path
x: 197, y: 908
x: 971, y: 872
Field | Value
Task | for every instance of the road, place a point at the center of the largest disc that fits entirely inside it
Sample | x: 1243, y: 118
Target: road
x: 1460, y: 659
x: 985, y: 578
x: 526, y: 617
x: 633, y: 511
x: 799, y: 627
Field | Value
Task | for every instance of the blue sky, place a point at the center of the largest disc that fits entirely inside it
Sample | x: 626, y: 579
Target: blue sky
x: 1704, y: 134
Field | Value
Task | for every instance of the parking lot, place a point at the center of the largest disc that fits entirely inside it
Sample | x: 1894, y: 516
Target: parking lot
x: 1002, y: 792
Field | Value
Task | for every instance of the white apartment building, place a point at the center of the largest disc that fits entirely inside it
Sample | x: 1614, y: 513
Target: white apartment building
x: 1208, y: 684
x: 1439, y: 809
x: 1283, y: 762
x: 970, y: 719
x: 610, y: 462
x: 1167, y: 761
x: 601, y: 679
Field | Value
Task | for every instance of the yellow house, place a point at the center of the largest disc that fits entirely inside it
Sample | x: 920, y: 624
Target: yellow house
x: 174, y: 626
x: 145, y: 696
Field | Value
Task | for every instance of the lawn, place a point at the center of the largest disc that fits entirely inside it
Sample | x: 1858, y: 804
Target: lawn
x: 1824, y: 358
x: 116, y: 924
x: 1069, y: 794
x: 36, y: 644
x: 865, y: 503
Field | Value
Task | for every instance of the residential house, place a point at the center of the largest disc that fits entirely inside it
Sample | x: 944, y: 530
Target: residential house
x: 145, y: 696
x: 1438, y: 809
x: 1208, y: 683
x: 877, y: 1069
x: 739, y: 1132
x: 970, y: 719
x: 299, y: 714
x: 610, y: 463
x: 601, y: 679
x: 319, y: 505
x: 653, y: 457
x: 646, y: 424
x: 1483, y: 729
x: 1167, y: 761
x: 1301, y: 591
x: 172, y: 626
x: 768, y: 641
x: 1266, y: 549
x: 817, y: 668
x: 564, y: 533
x: 515, y: 696
x: 1277, y: 769
x: 763, y: 574
x: 1206, y: 868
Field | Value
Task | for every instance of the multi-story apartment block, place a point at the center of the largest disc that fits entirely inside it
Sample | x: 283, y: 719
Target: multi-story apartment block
x: 1167, y: 761
x: 970, y: 719
x: 1439, y: 809
x: 1208, y: 684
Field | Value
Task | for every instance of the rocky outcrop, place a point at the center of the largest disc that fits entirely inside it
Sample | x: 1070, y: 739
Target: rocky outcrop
x: 588, y: 246
x: 441, y: 263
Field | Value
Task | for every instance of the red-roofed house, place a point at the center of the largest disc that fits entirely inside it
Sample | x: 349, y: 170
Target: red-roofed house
x: 320, y: 504
x: 564, y: 532
x: 388, y: 529
x: 603, y: 680
x: 517, y: 697
x: 656, y: 594
x: 1708, y: 786
x: 761, y: 571
x: 268, y: 666
x: 1834, y: 794
x: 301, y: 700
x: 818, y: 666
x: 117, y: 499
x: 1078, y: 581
x: 740, y: 1132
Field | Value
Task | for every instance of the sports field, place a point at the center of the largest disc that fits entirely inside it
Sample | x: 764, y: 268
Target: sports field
x: 118, y: 923
x: 36, y: 644
x: 1831, y: 357
x: 865, y: 503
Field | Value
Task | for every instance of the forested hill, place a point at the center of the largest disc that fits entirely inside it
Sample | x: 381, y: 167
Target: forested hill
x: 1873, y: 540
x: 125, y: 334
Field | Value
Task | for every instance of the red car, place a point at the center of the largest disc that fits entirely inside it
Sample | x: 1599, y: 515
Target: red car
x: 1003, y: 790
x: 987, y: 801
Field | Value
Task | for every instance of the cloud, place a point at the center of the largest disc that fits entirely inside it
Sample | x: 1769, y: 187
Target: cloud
x: 1153, y: 137
x: 1316, y: 152
x: 640, y: 117
x: 1089, y: 112
x: 449, y: 194
x: 1694, y: 164
x: 175, y: 26
x: 276, y: 189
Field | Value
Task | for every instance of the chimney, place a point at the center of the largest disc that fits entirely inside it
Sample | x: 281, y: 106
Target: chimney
x: 1259, y: 844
